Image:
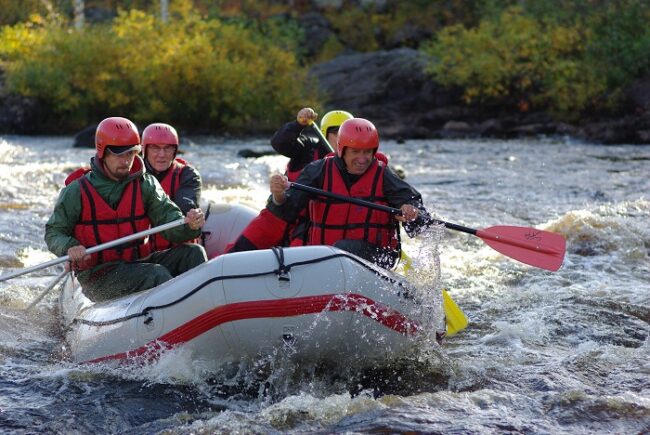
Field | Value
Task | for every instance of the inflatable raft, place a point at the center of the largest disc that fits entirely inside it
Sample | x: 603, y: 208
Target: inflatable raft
x: 311, y: 303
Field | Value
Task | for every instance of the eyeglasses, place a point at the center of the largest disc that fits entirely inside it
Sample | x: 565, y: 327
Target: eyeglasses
x: 166, y: 149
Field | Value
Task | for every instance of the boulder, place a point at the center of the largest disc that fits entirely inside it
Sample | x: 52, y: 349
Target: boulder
x: 389, y: 87
x: 21, y: 115
x: 393, y: 90
x: 86, y: 137
x: 638, y: 95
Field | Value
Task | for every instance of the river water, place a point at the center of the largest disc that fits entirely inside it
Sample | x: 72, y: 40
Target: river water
x: 545, y: 353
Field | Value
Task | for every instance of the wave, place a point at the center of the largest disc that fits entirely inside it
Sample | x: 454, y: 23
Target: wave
x: 619, y: 228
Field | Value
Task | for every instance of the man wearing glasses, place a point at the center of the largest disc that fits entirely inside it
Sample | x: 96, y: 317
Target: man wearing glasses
x: 179, y: 180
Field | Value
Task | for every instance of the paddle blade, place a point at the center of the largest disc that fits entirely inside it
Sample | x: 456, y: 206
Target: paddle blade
x: 454, y: 316
x: 407, y: 263
x: 535, y: 247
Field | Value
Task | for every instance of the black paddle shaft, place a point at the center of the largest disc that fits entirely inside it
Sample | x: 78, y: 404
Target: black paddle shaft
x: 322, y: 139
x: 387, y: 209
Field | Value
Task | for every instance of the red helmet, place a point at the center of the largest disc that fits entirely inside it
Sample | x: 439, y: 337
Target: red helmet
x: 116, y: 132
x: 159, y: 134
x: 357, y: 133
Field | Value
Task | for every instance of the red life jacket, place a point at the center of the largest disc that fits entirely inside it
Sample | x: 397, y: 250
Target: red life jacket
x: 300, y: 241
x: 332, y: 220
x: 170, y: 183
x: 382, y: 157
x: 293, y: 175
x: 172, y: 178
x: 99, y: 223
x: 264, y: 232
x: 76, y: 174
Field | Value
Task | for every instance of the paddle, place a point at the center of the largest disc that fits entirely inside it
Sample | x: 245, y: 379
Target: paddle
x: 455, y: 319
x: 49, y: 288
x: 97, y: 248
x: 538, y: 248
x: 322, y: 137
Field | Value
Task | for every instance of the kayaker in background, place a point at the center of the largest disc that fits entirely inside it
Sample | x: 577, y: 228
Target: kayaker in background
x: 116, y: 197
x: 180, y: 180
x: 298, y: 141
x: 354, y: 172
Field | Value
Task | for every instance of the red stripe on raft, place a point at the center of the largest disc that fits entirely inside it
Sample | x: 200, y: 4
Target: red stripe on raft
x: 376, y: 311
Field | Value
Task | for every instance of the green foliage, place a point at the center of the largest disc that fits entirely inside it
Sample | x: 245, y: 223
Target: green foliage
x: 372, y: 26
x: 356, y: 29
x: 331, y: 48
x: 227, y: 64
x: 517, y: 60
x: 620, y: 47
x: 191, y: 72
x: 565, y: 56
x: 13, y: 11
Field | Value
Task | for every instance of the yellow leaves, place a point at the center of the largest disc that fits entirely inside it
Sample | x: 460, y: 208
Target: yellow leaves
x: 190, y: 71
x: 564, y: 41
x: 517, y: 58
x: 35, y: 20
x: 20, y: 41
x: 133, y: 23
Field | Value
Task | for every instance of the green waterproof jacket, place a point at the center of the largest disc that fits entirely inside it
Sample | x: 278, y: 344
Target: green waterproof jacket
x: 59, y: 230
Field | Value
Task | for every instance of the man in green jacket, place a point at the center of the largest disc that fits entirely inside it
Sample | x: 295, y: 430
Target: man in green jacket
x: 116, y: 197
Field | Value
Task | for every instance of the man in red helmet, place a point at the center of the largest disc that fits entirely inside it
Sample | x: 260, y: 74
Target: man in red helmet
x: 355, y: 172
x: 179, y: 179
x: 298, y: 141
x: 116, y: 197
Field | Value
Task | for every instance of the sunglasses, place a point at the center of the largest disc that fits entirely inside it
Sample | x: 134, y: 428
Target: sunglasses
x: 119, y: 150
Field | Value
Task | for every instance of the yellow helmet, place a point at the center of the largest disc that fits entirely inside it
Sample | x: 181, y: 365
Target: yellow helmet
x: 334, y: 119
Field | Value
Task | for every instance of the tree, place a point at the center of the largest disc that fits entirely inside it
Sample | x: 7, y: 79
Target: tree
x: 78, y: 13
x: 164, y: 10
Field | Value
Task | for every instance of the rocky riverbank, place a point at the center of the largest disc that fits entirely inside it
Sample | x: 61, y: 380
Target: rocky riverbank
x: 391, y: 88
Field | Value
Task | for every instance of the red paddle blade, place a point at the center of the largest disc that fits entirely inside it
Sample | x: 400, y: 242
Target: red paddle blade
x: 529, y: 245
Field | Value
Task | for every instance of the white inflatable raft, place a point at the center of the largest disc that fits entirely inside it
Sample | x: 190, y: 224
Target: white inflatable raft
x: 312, y: 303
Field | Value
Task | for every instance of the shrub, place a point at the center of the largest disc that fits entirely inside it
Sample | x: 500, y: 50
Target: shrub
x: 368, y: 26
x: 13, y: 12
x: 564, y: 56
x: 517, y: 60
x: 620, y: 46
x: 191, y: 72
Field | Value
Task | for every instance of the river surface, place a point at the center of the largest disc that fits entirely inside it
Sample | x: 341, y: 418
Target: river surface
x: 545, y: 353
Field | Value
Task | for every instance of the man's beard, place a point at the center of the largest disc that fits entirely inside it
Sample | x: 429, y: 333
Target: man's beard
x: 117, y: 176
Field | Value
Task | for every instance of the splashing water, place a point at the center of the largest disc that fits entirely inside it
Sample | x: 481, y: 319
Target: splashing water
x: 563, y: 352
